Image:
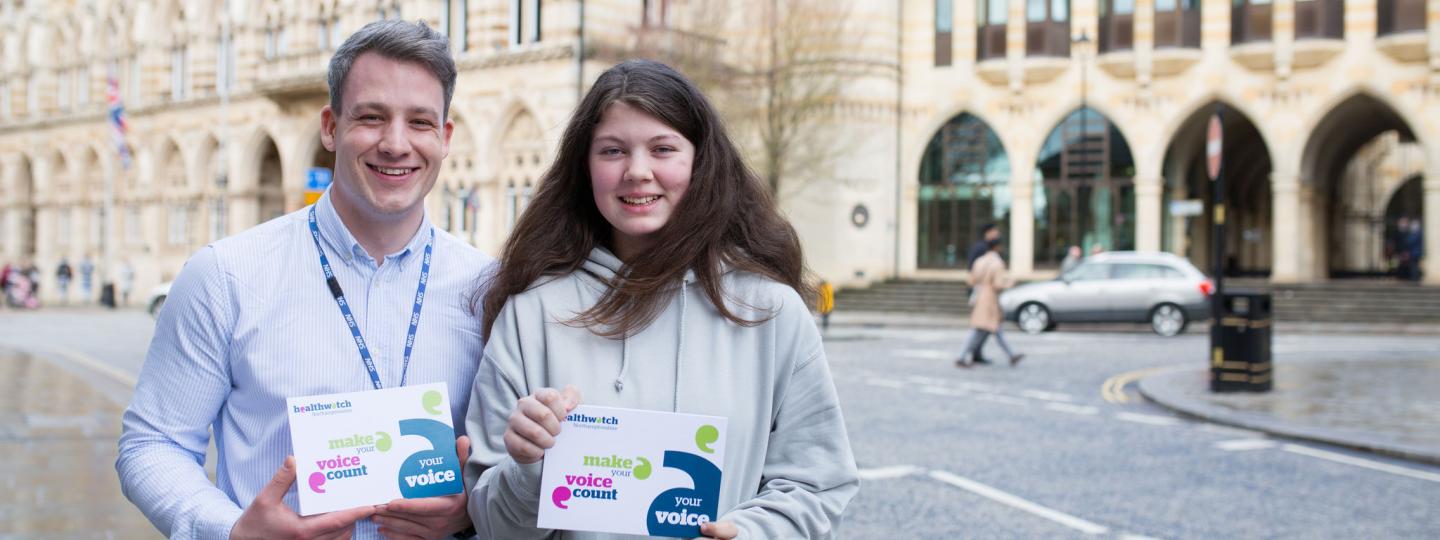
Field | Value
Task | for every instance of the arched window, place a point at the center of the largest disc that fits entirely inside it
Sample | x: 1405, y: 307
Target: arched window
x: 1085, y: 193
x: 964, y: 185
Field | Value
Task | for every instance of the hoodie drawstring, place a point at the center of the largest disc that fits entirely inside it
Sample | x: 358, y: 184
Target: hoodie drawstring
x: 624, y: 363
x: 680, y: 348
x: 679, y: 352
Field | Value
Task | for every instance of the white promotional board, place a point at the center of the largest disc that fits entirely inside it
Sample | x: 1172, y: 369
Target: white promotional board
x: 365, y: 448
x: 633, y: 472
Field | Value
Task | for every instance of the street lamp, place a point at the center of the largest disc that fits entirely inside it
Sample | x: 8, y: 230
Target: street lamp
x: 1081, y: 42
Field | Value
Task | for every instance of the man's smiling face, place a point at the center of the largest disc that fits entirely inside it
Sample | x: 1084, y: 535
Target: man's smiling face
x: 389, y: 138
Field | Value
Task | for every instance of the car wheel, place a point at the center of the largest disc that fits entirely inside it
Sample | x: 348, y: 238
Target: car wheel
x: 1034, y: 318
x: 156, y: 305
x: 1168, y: 320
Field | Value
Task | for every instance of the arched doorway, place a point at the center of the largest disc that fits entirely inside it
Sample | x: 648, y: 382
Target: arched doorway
x: 1248, y: 201
x: 964, y: 185
x: 521, y: 164
x: 1358, y: 153
x: 1085, y: 192
x: 270, y: 191
x: 459, y: 192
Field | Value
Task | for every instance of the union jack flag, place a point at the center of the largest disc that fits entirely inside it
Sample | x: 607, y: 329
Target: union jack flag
x: 117, y: 118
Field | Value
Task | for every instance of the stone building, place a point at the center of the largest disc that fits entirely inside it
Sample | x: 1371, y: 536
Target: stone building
x: 1067, y: 122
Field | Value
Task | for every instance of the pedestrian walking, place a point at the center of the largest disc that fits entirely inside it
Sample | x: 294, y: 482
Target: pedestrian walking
x: 125, y: 277
x: 988, y: 278
x: 988, y: 232
x: 826, y: 304
x: 63, y: 274
x: 1414, y: 248
x: 87, y: 280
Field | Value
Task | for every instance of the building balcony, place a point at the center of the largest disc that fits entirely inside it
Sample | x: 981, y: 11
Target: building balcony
x: 294, y: 76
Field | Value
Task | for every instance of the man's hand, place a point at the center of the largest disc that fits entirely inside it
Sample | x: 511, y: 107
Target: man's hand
x: 536, y: 421
x: 267, y: 516
x: 427, y: 518
x: 719, y: 530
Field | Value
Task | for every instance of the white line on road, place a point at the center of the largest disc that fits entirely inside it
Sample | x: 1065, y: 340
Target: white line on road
x: 1358, y: 462
x: 1231, y: 431
x: 932, y: 381
x: 1047, y: 396
x: 105, y: 369
x: 1016, y: 502
x: 886, y: 473
x: 1073, y: 409
x: 924, y: 354
x: 997, y: 398
x: 1240, y: 445
x: 1147, y: 419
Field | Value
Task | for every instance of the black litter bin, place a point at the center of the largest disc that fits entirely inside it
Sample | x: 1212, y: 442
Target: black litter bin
x: 107, y: 295
x: 1240, y: 352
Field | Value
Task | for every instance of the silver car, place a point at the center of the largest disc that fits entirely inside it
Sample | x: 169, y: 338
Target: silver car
x: 1160, y: 288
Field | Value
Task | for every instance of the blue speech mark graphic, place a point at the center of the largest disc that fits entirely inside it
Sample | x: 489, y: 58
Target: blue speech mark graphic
x: 679, y: 512
x: 433, y: 472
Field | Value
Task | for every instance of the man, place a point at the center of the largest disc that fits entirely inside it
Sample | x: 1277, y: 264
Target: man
x: 252, y: 320
x: 63, y: 274
x: 1073, y: 258
x: 988, y: 232
x: 87, y: 279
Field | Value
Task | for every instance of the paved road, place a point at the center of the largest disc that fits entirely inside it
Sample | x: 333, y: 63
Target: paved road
x: 1060, y: 447
x: 1050, y: 450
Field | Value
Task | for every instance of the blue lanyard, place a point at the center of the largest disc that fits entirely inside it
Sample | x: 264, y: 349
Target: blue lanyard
x: 339, y: 295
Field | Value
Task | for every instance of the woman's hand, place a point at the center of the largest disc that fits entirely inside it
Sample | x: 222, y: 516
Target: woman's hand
x: 536, y: 421
x: 719, y: 530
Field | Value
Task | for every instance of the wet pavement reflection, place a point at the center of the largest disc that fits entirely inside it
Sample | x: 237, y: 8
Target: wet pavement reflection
x: 57, y: 457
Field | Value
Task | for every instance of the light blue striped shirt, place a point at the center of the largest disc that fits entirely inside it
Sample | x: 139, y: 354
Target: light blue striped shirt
x: 250, y: 322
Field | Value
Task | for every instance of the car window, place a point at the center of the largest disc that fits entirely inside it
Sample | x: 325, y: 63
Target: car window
x: 1142, y: 271
x: 1089, y: 272
x: 1173, y: 273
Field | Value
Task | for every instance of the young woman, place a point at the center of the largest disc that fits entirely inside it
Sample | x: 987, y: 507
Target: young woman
x: 653, y: 271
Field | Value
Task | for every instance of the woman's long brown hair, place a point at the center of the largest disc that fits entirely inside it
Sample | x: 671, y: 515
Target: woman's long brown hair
x: 726, y: 218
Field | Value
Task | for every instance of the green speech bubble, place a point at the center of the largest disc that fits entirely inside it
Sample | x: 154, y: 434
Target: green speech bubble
x: 382, y: 441
x: 431, y: 401
x: 705, y: 436
x: 642, y: 471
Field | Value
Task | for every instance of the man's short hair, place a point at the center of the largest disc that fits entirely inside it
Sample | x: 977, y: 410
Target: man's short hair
x: 987, y: 228
x: 397, y: 40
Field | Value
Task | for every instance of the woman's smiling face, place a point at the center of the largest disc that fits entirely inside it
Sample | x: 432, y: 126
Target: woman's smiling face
x: 639, y: 170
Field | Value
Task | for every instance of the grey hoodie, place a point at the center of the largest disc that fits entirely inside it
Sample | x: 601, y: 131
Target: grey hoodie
x: 788, y: 469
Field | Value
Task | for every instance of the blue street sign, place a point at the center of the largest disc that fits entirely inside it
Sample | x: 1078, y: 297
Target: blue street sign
x: 317, y: 179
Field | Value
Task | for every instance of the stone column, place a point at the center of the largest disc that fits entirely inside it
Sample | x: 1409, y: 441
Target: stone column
x: 1149, y: 197
x: 1022, y: 218
x: 1285, y: 188
x: 1431, y: 210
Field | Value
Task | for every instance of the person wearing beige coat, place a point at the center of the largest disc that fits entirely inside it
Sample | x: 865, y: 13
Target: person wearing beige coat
x: 988, y: 277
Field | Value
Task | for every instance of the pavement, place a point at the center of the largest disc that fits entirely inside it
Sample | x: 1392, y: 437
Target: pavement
x: 1381, y: 405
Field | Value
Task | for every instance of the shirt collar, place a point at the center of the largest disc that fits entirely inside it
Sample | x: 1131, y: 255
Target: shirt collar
x: 334, y: 233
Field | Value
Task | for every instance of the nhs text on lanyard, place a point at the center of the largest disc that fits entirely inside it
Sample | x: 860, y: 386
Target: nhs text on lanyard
x: 350, y: 317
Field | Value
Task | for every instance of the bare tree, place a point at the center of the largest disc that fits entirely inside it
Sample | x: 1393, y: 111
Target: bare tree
x: 777, y: 71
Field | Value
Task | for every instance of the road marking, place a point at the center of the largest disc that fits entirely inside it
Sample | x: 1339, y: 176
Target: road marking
x: 1114, y: 388
x: 1016, y: 502
x: 886, y: 383
x: 887, y: 473
x: 998, y: 398
x: 1047, y: 396
x: 1240, y: 445
x: 1073, y: 409
x: 1147, y: 419
x: 1136, y: 537
x: 107, y: 370
x: 924, y: 354
x: 931, y: 381
x: 1358, y: 462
